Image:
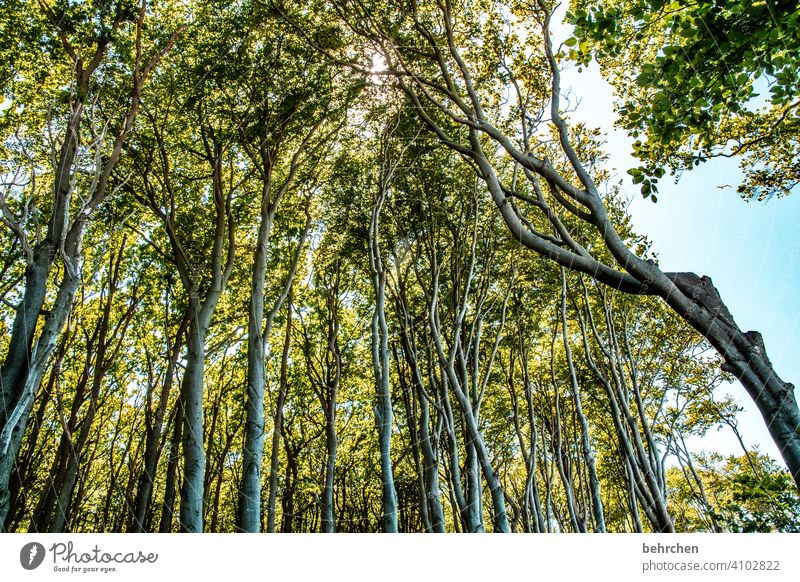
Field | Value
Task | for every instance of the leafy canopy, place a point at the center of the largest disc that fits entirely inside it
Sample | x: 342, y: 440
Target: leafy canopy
x: 696, y: 80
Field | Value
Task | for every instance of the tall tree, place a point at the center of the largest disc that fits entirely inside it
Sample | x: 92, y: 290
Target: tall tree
x: 290, y: 118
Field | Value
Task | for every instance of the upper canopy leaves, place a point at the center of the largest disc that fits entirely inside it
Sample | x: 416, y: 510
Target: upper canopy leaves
x: 701, y: 79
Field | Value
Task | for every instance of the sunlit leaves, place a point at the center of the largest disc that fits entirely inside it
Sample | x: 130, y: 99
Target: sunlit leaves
x: 699, y: 80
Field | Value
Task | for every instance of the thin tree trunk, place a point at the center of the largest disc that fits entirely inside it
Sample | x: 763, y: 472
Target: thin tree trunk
x: 380, y: 351
x: 328, y: 506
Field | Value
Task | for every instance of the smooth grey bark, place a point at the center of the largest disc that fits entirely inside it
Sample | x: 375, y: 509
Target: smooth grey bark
x: 455, y: 466
x: 430, y: 460
x: 24, y: 363
x: 380, y: 359
x: 258, y: 330
x: 27, y: 460
x: 383, y: 407
x: 328, y: 505
x: 474, y: 485
x: 14, y: 429
x: 532, y: 485
x: 411, y: 414
x: 632, y: 498
x: 561, y: 457
x: 523, y: 510
x: 500, y: 517
x: 253, y: 452
x: 530, y: 507
x: 194, y: 458
x: 37, y: 271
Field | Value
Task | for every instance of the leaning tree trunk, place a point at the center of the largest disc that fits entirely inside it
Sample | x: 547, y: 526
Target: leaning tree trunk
x: 746, y: 358
x: 586, y: 447
x: 25, y: 364
x: 18, y: 358
x: 432, y: 496
x: 14, y: 428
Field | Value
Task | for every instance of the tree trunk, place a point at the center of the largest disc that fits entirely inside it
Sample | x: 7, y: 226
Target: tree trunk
x: 380, y: 355
x: 144, y: 491
x: 168, y: 505
x: 14, y: 428
x: 16, y: 364
x: 250, y: 497
x: 194, y: 457
x: 277, y: 429
x: 746, y: 358
x: 586, y: 447
x: 383, y: 407
x: 328, y: 507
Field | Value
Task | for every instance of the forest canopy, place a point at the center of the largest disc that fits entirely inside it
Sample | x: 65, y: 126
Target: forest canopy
x: 348, y: 266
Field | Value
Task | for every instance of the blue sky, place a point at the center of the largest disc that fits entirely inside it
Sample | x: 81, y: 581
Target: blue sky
x: 751, y: 250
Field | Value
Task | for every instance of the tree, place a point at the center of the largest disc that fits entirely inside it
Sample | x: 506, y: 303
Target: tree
x: 280, y: 133
x: 202, y: 248
x: 324, y: 367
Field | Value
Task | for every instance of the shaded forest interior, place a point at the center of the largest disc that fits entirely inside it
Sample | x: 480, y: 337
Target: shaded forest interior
x: 348, y: 267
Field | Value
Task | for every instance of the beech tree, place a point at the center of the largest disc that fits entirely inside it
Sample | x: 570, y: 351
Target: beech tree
x: 691, y: 84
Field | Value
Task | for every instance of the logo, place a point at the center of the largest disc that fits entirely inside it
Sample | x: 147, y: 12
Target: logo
x: 31, y: 555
